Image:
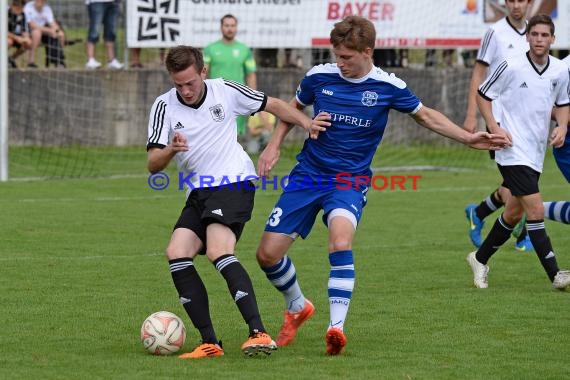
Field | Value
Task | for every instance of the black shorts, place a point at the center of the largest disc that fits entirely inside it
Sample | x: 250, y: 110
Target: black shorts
x: 520, y: 179
x: 230, y: 205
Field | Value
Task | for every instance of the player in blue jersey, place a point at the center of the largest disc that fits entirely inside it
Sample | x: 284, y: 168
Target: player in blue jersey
x: 358, y: 98
x: 560, y: 210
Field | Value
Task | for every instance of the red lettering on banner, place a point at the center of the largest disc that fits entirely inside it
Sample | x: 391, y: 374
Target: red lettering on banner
x: 374, y: 10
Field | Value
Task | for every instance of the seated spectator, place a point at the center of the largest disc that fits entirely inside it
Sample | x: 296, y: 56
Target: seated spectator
x: 103, y: 12
x: 260, y: 127
x: 18, y: 35
x: 44, y: 29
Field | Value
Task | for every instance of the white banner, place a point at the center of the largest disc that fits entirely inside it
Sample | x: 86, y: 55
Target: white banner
x: 307, y: 23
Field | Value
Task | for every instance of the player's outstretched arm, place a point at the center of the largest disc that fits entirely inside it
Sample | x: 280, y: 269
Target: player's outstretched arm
x: 440, y: 124
x: 158, y: 159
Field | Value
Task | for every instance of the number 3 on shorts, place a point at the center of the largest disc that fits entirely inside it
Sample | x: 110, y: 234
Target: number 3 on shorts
x: 274, y: 216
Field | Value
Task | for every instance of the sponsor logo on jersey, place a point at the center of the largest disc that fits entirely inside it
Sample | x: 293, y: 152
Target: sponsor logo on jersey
x: 217, y: 112
x: 369, y: 98
x: 348, y: 119
x: 218, y: 211
x: 178, y: 126
x: 327, y: 92
x: 523, y: 85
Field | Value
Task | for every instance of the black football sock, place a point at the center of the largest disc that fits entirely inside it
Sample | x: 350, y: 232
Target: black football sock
x: 241, y: 290
x: 193, y: 296
x: 542, y: 247
x: 489, y: 205
x: 498, y: 235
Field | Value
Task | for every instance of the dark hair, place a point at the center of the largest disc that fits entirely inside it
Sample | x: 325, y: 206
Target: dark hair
x: 354, y: 32
x: 181, y: 57
x: 229, y: 15
x: 540, y: 19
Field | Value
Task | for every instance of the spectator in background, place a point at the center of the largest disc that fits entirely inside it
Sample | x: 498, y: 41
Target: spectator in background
x: 260, y: 130
x: 102, y: 12
x: 135, y: 54
x: 230, y: 59
x: 390, y: 57
x: 18, y: 32
x: 44, y: 29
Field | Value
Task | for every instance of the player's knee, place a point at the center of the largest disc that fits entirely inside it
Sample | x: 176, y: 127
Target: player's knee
x: 340, y: 244
x: 263, y: 258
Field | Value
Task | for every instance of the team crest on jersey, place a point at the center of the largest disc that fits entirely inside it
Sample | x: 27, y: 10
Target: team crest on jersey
x: 217, y: 112
x: 369, y: 98
x: 553, y: 84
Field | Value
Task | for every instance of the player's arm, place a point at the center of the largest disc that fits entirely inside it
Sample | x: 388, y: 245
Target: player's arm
x: 291, y: 113
x: 477, y: 77
x: 158, y: 158
x: 558, y: 134
x: 270, y: 155
x: 440, y: 124
x: 251, y: 80
x: 486, y: 108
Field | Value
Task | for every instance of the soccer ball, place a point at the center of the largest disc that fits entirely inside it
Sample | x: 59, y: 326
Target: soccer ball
x: 163, y: 333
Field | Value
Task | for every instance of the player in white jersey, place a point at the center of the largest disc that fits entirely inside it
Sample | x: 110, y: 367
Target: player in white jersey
x: 529, y: 86
x: 195, y: 124
x: 503, y: 39
x: 333, y: 173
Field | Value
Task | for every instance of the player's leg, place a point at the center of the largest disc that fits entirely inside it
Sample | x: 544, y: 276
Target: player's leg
x: 476, y: 214
x: 558, y: 211
x: 343, y: 210
x: 342, y: 226
x: 534, y: 209
x: 191, y: 290
x: 499, y: 233
x: 225, y: 213
x: 293, y: 215
x: 186, y: 241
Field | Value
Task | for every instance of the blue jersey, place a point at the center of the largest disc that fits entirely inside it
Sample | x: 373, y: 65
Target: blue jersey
x: 359, y: 113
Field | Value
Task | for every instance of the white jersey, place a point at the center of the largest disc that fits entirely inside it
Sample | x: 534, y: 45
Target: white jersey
x: 527, y: 96
x: 42, y: 18
x: 567, y: 60
x: 501, y: 41
x: 214, y: 156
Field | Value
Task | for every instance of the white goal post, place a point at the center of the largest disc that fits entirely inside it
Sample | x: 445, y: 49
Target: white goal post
x: 3, y: 92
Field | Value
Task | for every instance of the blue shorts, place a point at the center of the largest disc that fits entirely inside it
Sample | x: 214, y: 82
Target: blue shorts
x: 562, y: 156
x: 299, y: 204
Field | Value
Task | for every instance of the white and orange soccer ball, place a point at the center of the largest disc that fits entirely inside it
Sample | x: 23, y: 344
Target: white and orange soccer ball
x: 163, y: 333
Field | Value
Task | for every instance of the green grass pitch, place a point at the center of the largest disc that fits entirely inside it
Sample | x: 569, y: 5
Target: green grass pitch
x: 82, y: 266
